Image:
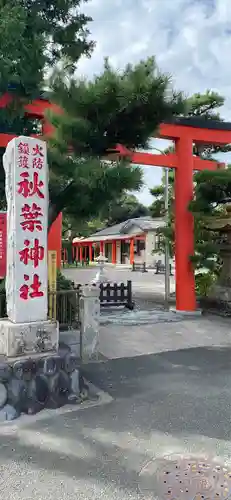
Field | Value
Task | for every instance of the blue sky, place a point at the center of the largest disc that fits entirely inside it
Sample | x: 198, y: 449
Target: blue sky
x: 191, y: 40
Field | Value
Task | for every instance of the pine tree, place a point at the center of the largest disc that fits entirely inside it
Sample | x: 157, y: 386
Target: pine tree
x: 39, y: 37
x: 113, y: 108
x: 36, y: 36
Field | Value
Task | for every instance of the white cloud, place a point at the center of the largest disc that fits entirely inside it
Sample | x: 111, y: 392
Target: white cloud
x: 191, y: 40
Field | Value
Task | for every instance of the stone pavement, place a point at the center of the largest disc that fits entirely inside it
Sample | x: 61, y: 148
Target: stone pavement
x: 118, y: 340
x: 149, y: 283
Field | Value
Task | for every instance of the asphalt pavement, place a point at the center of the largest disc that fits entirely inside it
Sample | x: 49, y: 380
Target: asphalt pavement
x: 169, y: 399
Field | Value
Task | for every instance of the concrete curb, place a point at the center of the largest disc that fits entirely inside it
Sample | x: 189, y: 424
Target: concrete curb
x: 187, y: 314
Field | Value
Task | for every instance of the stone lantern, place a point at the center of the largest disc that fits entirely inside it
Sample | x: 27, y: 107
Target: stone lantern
x: 221, y: 291
x: 100, y: 275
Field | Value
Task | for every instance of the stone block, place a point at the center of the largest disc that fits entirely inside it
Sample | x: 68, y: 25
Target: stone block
x: 89, y: 317
x: 28, y: 339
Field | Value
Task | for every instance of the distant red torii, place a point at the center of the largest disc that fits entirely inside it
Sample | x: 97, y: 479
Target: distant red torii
x: 184, y: 132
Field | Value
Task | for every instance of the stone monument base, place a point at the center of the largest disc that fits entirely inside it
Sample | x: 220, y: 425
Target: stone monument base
x: 28, y: 339
x: 30, y: 385
x: 221, y: 293
x: 35, y: 372
x: 218, y: 300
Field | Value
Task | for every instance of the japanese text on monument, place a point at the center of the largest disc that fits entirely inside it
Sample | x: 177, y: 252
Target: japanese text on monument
x: 29, y: 224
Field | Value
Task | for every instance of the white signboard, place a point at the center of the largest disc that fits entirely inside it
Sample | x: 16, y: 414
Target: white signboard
x: 25, y: 164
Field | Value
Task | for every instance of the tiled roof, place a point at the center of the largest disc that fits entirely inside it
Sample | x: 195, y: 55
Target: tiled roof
x: 144, y: 223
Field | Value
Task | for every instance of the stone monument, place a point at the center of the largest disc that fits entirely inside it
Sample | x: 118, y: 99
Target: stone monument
x: 35, y: 373
x: 27, y: 331
x: 100, y: 274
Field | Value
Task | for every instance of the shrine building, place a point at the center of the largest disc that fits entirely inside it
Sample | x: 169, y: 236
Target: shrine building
x: 130, y: 241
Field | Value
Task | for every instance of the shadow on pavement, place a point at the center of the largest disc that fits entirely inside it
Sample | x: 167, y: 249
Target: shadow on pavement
x: 172, y: 395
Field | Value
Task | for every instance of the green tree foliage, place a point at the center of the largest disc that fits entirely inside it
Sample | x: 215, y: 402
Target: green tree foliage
x: 211, y: 194
x: 210, y: 187
x: 39, y: 37
x: 36, y: 36
x: 126, y: 207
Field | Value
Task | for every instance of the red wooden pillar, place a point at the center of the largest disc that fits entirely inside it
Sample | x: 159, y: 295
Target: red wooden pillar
x: 80, y: 253
x: 55, y: 239
x: 76, y: 253
x: 184, y: 228
x: 131, y: 251
x: 114, y: 252
x: 90, y: 252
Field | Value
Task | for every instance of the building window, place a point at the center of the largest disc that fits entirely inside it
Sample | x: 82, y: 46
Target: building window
x: 159, y: 240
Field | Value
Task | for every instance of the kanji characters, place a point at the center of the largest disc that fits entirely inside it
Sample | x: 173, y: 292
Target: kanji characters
x: 31, y: 291
x: 32, y: 218
x: 35, y: 253
x: 23, y: 162
x: 29, y: 188
x: 37, y: 163
x: 38, y: 150
x: 23, y: 148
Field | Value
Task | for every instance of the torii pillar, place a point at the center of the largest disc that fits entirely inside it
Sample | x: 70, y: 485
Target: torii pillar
x: 184, y: 227
x: 184, y: 132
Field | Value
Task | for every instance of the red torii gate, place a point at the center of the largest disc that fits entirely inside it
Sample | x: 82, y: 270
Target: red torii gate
x: 184, y: 132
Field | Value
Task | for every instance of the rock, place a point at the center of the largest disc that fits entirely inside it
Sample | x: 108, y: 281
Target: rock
x: 71, y: 363
x: 17, y: 394
x: 59, y: 387
x: 5, y: 372
x: 64, y: 349
x: 7, y: 413
x: 83, y: 388
x: 37, y: 394
x: 75, y: 388
x: 3, y: 395
x: 50, y: 365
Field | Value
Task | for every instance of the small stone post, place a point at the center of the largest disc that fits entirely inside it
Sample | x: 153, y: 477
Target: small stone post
x: 89, y: 318
x: 100, y: 275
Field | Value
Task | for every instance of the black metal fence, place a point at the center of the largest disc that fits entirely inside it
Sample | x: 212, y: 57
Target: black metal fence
x: 116, y: 294
x: 3, y: 313
x: 136, y: 266
x: 160, y: 268
x: 63, y: 305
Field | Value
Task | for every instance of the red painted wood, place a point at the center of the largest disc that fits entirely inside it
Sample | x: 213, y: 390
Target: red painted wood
x: 131, y: 250
x: 3, y: 240
x: 173, y: 131
x: 55, y: 238
x: 184, y: 233
x: 90, y: 252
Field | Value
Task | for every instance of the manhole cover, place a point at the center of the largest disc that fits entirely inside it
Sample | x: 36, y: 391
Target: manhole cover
x: 185, y: 479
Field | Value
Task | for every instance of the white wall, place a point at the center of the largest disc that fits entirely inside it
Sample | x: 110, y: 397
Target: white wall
x: 118, y: 252
x: 150, y: 258
x: 149, y: 247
